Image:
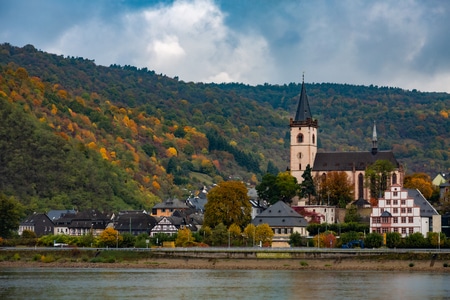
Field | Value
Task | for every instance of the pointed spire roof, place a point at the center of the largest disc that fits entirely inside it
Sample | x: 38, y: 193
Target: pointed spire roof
x: 374, y: 139
x: 303, y: 111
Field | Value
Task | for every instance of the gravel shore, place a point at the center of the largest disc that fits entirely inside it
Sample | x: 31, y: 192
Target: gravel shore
x: 247, y: 264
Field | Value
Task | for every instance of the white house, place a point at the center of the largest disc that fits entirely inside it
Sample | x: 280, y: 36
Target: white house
x: 405, y: 211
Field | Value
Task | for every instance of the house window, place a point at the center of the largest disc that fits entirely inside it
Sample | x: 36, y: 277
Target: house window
x: 388, y: 202
x: 403, y: 219
x: 395, y: 194
x: 409, y: 210
x: 395, y: 210
x: 403, y: 230
x: 300, y: 138
x: 384, y: 220
x: 411, y: 230
x: 403, y: 210
x: 385, y: 230
x: 395, y: 229
x: 395, y: 202
x: 163, y: 210
x: 410, y: 220
x: 395, y: 220
x: 403, y: 202
x: 378, y: 230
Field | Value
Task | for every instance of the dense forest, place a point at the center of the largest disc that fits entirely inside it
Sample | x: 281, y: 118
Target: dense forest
x: 77, y: 135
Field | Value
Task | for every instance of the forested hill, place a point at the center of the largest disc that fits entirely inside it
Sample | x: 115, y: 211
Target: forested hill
x: 162, y: 137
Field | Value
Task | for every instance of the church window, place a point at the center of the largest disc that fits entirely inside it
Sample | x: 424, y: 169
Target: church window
x: 360, y: 185
x: 299, y: 155
x: 394, y: 178
x: 300, y: 138
x: 313, y: 139
x: 299, y: 166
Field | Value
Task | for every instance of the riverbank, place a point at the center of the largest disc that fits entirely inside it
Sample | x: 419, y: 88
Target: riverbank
x: 245, y: 264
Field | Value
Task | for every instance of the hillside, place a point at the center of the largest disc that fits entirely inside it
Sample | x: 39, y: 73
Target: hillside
x: 163, y: 137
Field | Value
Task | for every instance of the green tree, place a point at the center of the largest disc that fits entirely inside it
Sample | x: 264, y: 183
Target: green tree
x: 219, y: 236
x: 10, y: 215
x: 128, y: 240
x: 228, y: 203
x: 436, y: 239
x: 393, y: 239
x: 307, y: 187
x: 416, y: 240
x: 352, y: 215
x: 378, y: 176
x: 295, y: 239
x: 373, y: 240
x: 273, y: 188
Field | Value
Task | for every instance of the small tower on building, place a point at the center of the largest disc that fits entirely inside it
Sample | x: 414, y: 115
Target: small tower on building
x: 303, y: 134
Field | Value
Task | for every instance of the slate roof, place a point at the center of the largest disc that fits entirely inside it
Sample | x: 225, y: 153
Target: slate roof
x: 280, y: 215
x: 56, y: 214
x: 172, y: 204
x: 137, y: 221
x: 348, y: 161
x: 386, y: 214
x: 303, y: 111
x: 426, y: 209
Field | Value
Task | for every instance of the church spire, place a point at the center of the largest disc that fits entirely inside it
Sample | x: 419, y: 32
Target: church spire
x: 374, y: 139
x: 303, y: 111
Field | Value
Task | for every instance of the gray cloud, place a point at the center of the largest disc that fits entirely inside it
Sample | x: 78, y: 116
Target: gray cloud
x: 387, y: 43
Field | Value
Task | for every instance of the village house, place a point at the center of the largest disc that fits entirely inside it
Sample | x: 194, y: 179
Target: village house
x: 405, y: 211
x: 284, y: 221
x: 134, y: 222
x: 39, y: 223
x: 169, y: 206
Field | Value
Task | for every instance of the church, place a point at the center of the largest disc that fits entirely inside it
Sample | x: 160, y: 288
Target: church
x: 303, y: 151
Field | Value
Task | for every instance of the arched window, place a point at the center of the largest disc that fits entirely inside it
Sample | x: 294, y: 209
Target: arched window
x: 324, y: 177
x: 300, y: 138
x: 313, y: 139
x: 360, y: 186
x: 394, y: 178
x: 299, y: 155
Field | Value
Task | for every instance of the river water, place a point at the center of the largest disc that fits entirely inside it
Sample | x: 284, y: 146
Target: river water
x: 65, y: 283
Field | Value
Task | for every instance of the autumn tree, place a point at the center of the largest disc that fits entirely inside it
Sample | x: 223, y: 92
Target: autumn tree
x: 420, y: 181
x: 337, y: 189
x: 235, y: 234
x: 228, y: 203
x: 110, y: 238
x: 378, y: 176
x: 307, y: 187
x: 264, y: 234
x: 184, y: 238
x: 249, y: 234
x: 273, y: 188
x: 10, y: 214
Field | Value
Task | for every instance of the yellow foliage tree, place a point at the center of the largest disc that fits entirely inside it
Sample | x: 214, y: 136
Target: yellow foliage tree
x: 249, y: 233
x: 171, y: 152
x: 184, y: 238
x: 110, y: 237
x: 420, y: 181
x: 264, y: 234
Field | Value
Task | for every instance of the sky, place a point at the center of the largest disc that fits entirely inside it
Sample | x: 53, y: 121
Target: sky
x: 401, y: 43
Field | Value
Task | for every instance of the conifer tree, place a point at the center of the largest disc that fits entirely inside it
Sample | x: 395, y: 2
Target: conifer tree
x: 307, y: 187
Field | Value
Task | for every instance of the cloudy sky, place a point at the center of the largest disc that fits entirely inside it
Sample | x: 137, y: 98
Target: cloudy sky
x: 402, y: 43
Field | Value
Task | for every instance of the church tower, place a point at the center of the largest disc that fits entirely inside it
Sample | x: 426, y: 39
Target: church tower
x: 303, y: 134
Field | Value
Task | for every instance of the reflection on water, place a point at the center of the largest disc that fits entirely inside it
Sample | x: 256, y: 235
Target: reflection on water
x: 56, y: 283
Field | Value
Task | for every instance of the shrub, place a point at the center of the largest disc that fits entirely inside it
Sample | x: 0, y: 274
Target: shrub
x: 16, y: 256
x: 36, y: 257
x: 303, y: 263
x: 411, y: 265
x: 48, y: 259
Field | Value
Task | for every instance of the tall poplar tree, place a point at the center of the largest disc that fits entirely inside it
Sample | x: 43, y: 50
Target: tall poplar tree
x: 307, y: 187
